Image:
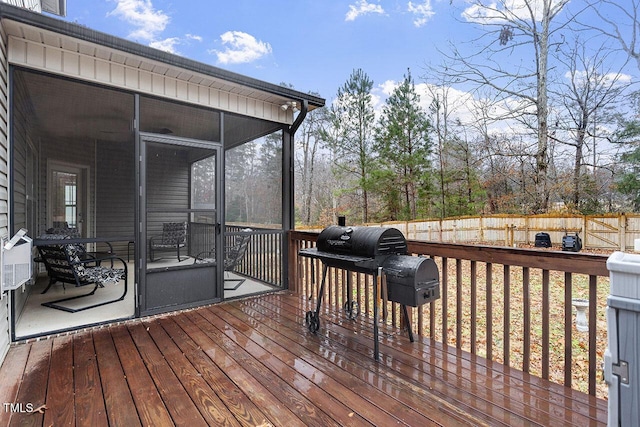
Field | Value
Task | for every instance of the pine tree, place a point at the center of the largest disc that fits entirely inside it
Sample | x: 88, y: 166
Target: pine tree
x: 403, y: 144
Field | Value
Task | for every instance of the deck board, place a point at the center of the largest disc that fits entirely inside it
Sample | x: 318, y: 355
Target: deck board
x: 121, y: 409
x: 12, y: 372
x: 60, y: 382
x: 252, y: 362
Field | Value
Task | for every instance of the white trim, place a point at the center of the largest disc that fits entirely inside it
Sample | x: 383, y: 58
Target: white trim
x: 58, y: 165
x: 54, y: 53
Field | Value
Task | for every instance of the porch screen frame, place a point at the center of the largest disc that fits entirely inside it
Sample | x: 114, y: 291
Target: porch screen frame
x: 142, y: 139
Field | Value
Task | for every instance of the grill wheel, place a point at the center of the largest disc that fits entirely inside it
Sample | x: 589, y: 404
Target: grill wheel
x: 351, y: 309
x: 312, y: 320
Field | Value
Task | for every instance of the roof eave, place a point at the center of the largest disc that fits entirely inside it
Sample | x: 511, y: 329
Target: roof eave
x: 84, y: 33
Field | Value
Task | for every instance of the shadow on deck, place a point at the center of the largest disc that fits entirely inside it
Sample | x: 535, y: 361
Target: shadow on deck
x: 253, y: 362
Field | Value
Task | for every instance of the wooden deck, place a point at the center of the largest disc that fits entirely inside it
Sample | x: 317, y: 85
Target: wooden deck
x: 253, y: 362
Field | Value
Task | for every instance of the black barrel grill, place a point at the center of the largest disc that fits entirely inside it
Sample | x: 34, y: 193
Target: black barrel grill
x: 381, y: 252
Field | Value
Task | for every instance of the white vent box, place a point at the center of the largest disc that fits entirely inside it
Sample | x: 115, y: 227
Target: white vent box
x: 15, y: 256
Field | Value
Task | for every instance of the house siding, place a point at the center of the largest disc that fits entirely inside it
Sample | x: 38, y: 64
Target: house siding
x: 22, y: 203
x: 5, y: 324
x: 115, y: 195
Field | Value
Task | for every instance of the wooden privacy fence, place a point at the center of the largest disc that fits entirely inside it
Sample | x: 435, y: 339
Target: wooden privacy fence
x: 614, y: 232
x: 513, y: 306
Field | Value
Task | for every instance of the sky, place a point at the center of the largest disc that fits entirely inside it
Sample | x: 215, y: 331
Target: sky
x: 310, y: 44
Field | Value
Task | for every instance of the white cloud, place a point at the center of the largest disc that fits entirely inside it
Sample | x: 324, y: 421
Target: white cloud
x: 423, y: 12
x: 148, y: 21
x: 461, y: 105
x: 362, y: 7
x: 606, y: 79
x: 388, y: 86
x: 241, y: 48
x: 507, y: 10
x: 168, y: 45
x: 193, y: 37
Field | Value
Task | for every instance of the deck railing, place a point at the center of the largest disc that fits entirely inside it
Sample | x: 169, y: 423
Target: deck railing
x: 513, y: 306
x: 263, y: 260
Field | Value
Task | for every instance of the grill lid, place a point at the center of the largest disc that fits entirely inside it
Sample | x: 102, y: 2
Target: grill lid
x: 369, y: 242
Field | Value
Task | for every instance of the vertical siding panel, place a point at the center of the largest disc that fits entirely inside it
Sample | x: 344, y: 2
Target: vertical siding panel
x: 182, y: 90
x: 233, y: 102
x: 224, y: 100
x: 103, y: 72
x: 242, y: 105
x: 157, y: 84
x: 170, y: 88
x: 203, y: 96
x: 117, y: 74
x: 53, y: 59
x: 5, y: 327
x: 18, y: 51
x: 192, y: 92
x: 146, y: 80
x: 214, y: 98
x: 131, y: 79
x: 87, y: 67
x: 35, y: 55
x: 70, y: 64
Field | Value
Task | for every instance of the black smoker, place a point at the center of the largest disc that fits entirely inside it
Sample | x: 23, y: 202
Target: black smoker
x: 411, y: 281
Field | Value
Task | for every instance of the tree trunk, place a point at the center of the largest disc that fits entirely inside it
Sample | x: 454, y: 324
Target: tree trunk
x: 541, y: 42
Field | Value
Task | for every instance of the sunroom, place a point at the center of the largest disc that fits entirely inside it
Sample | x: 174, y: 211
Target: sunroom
x: 121, y: 148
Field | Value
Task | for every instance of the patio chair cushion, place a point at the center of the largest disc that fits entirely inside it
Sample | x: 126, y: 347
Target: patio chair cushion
x: 103, y: 275
x: 92, y: 274
x: 173, y: 233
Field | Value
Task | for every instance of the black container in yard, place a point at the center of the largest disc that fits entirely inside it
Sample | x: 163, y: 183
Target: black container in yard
x: 571, y: 243
x: 411, y: 281
x: 543, y: 240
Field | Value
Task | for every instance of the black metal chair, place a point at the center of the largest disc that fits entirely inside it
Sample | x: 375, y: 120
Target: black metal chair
x: 173, y: 238
x: 233, y: 255
x: 64, y: 264
x: 62, y: 233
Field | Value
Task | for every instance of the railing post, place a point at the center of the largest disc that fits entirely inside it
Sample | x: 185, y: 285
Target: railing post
x: 292, y: 261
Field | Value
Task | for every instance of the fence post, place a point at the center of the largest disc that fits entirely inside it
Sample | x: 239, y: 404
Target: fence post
x: 623, y: 232
x: 506, y: 234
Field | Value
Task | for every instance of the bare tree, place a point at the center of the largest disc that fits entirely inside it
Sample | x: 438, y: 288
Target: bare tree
x: 620, y: 22
x: 509, y: 29
x: 441, y: 113
x: 309, y: 143
x: 591, y: 85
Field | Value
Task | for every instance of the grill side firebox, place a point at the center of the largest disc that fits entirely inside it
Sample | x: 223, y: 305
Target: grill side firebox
x: 411, y: 281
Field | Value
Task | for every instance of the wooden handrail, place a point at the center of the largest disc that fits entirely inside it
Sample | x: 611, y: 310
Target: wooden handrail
x: 525, y: 314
